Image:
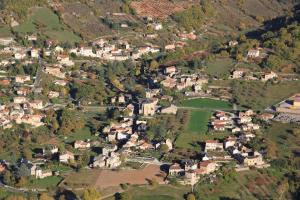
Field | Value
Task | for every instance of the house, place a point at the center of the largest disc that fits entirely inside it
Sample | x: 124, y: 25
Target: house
x: 170, y: 47
x: 237, y: 74
x: 53, y: 94
x: 32, y: 37
x: 40, y: 173
x: 64, y: 59
x: 213, y: 145
x: 34, y: 120
x: 148, y: 106
x: 36, y: 104
x: 253, y: 53
x: 157, y: 26
x: 170, y: 70
x: 233, y: 43
x: 22, y: 78
x: 23, y: 91
x: 185, y: 36
x: 99, y: 161
x: 251, y: 159
x: 79, y: 144
x: 207, y: 167
x: 54, y: 71
x: 5, y: 41
x: 266, y: 116
x: 170, y: 110
x: 229, y: 141
x: 113, y: 160
x: 20, y: 100
x: 268, y: 76
x: 169, y: 82
x: 58, y: 49
x: 66, y: 157
x: 60, y: 82
x: 34, y: 53
x: 150, y: 93
x: 175, y: 170
x: 20, y: 55
x: 109, y: 148
x: 189, y: 164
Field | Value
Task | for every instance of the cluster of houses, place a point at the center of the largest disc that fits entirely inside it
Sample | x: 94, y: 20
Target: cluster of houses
x: 119, y: 51
x: 232, y: 148
x: 243, y: 73
x: 222, y: 121
x: 173, y: 79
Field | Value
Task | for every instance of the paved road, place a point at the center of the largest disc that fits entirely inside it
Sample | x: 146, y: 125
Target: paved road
x: 38, y: 74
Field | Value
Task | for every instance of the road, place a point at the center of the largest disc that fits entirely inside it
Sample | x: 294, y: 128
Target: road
x: 20, y: 190
x: 38, y: 74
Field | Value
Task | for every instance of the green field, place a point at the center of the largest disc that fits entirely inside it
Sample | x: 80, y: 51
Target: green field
x: 48, y: 182
x: 5, y: 31
x: 220, y: 67
x: 259, y: 96
x: 162, y: 192
x: 198, y: 122
x: 46, y: 21
x: 196, y: 129
x: 209, y: 104
x: 82, y: 134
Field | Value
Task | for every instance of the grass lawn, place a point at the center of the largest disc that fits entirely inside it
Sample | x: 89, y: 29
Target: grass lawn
x: 49, y: 182
x: 220, y: 67
x: 198, y: 122
x: 162, y: 192
x: 197, y: 130
x: 46, y: 21
x: 206, y: 104
x: 82, y: 134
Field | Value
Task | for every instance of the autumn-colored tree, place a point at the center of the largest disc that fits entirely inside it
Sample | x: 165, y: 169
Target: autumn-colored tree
x: 91, y: 194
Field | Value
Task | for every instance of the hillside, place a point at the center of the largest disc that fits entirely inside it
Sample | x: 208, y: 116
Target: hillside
x: 91, y: 19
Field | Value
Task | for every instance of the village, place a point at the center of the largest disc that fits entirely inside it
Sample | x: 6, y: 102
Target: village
x: 125, y: 138
x: 164, y: 106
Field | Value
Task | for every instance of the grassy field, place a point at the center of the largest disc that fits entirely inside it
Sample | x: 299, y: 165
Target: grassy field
x: 162, y: 192
x: 286, y: 142
x: 49, y: 182
x: 196, y: 129
x: 209, y: 104
x: 45, y: 21
x: 220, y: 67
x: 259, y: 96
x: 249, y: 185
x: 82, y: 134
x: 5, y: 31
x: 198, y: 122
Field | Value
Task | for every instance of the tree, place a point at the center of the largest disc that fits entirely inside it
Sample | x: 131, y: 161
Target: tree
x: 91, y: 194
x: 190, y: 196
x: 153, y: 65
x: 164, y: 148
x: 8, y: 178
x: 45, y: 196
